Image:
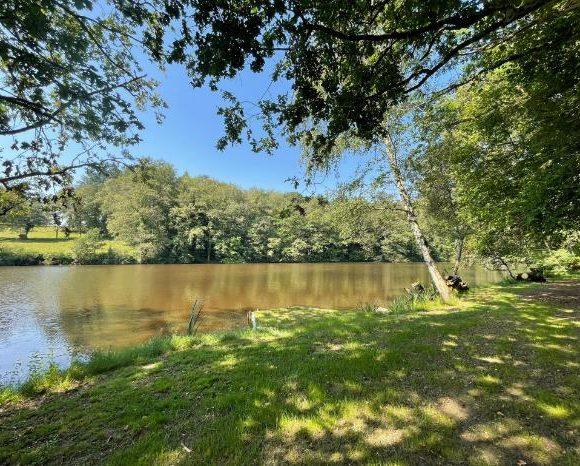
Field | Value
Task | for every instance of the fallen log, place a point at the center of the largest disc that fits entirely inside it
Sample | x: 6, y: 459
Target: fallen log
x: 534, y: 275
x: 455, y: 283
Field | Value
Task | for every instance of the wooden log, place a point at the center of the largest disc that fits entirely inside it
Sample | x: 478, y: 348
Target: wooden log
x: 534, y: 275
x: 456, y: 283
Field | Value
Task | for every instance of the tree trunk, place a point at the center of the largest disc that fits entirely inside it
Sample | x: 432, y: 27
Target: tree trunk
x: 458, y: 253
x: 26, y: 229
x: 413, y: 223
x: 507, y: 267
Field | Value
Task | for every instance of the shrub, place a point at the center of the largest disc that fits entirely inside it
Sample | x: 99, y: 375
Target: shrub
x: 19, y: 258
x: 367, y: 307
x: 559, y: 262
x: 85, y: 248
x: 414, y: 301
x: 57, y: 259
x: 53, y: 379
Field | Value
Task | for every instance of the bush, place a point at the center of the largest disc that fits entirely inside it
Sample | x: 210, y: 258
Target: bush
x: 85, y: 248
x: 559, y: 262
x: 57, y: 259
x: 19, y: 258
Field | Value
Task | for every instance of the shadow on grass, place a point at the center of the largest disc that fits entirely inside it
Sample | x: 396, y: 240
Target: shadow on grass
x: 490, y: 384
x: 36, y: 240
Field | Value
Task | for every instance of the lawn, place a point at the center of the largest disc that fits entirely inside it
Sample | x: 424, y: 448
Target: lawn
x: 491, y: 380
x: 43, y: 241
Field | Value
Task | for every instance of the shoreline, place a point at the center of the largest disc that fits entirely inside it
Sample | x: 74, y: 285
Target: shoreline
x: 291, y: 387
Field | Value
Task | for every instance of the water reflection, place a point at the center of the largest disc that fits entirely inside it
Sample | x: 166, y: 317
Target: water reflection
x: 56, y: 312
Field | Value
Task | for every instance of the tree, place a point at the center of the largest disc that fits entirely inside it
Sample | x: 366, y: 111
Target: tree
x: 392, y: 153
x: 86, y: 211
x: 509, y: 142
x: 27, y: 216
x: 347, y: 63
x: 138, y: 203
x: 436, y: 186
x: 70, y: 81
x: 86, y: 247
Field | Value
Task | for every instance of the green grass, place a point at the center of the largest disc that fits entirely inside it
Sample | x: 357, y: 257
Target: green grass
x: 42, y: 241
x: 492, y: 379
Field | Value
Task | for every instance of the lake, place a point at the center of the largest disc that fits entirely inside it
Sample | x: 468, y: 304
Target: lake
x: 57, y: 313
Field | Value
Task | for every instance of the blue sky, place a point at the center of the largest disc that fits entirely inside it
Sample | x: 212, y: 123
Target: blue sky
x: 187, y: 138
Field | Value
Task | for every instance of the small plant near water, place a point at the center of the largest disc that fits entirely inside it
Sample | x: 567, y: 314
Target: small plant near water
x: 195, y: 317
x: 368, y: 307
x: 412, y: 301
x: 415, y: 299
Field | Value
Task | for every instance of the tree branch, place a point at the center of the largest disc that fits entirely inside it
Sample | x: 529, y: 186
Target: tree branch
x: 48, y: 117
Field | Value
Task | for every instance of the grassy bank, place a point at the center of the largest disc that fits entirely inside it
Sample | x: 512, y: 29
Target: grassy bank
x: 43, y: 247
x: 492, y: 379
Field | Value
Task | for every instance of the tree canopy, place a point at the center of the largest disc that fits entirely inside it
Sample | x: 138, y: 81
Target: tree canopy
x: 170, y: 218
x: 346, y: 62
x: 70, y: 80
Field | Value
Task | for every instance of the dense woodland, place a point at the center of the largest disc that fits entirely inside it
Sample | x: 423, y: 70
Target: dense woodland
x: 171, y: 218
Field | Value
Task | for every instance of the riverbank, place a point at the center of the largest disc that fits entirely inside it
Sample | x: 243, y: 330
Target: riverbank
x: 490, y: 380
x: 44, y: 247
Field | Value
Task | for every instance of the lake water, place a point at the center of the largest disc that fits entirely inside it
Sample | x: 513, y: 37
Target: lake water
x: 57, y: 313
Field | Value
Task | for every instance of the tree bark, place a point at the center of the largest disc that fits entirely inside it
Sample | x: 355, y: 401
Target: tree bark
x: 458, y: 254
x: 436, y: 277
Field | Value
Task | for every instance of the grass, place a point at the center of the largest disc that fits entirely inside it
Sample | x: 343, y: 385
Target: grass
x: 42, y: 241
x: 492, y: 379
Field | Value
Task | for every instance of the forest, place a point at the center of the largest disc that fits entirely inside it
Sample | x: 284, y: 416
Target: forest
x: 169, y: 218
x: 166, y: 218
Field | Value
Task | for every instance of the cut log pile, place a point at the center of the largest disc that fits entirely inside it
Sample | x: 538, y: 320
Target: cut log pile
x: 534, y: 275
x: 455, y: 283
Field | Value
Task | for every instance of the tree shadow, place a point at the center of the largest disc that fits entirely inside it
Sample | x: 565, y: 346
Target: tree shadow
x: 36, y: 240
x: 487, y: 385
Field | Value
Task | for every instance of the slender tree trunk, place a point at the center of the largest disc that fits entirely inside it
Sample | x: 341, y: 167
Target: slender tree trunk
x: 507, y: 267
x: 413, y: 223
x: 26, y: 229
x: 208, y: 249
x: 458, y: 254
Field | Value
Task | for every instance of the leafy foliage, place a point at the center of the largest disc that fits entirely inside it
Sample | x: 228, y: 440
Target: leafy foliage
x: 507, y: 146
x: 26, y: 216
x: 70, y: 80
x: 86, y: 247
x: 197, y: 219
x: 347, y: 62
x: 137, y: 205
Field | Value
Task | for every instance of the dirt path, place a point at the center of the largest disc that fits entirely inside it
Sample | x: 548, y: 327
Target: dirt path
x: 564, y: 294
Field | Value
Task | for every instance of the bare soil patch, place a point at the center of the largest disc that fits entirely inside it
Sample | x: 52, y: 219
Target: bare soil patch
x: 565, y: 294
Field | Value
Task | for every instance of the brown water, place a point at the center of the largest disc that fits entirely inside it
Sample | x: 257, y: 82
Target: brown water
x: 57, y: 313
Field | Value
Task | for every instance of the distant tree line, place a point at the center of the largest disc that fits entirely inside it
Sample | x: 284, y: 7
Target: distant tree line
x: 171, y: 218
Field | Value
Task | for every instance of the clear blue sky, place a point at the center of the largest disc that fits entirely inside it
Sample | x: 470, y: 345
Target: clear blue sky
x: 187, y: 138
